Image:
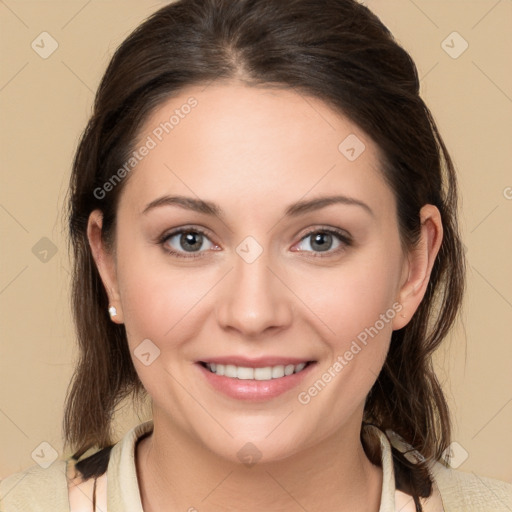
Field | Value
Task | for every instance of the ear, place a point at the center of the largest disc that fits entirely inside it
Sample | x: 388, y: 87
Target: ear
x: 105, y: 262
x: 418, y: 266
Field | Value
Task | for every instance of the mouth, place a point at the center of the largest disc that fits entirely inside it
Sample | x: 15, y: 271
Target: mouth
x: 264, y: 373
x: 254, y: 381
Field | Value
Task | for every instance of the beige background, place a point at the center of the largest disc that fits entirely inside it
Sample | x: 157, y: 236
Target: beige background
x: 45, y: 104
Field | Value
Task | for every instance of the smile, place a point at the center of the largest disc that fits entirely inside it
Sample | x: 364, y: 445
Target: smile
x: 251, y: 381
x: 247, y: 373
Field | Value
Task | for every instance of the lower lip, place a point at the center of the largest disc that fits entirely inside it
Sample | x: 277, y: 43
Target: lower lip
x: 251, y: 389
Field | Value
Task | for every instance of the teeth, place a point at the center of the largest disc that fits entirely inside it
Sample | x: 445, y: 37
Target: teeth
x: 277, y: 371
x: 263, y: 373
x: 288, y: 369
x: 245, y: 373
x: 230, y: 370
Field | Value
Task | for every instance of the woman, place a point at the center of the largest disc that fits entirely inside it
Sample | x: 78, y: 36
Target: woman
x: 263, y: 218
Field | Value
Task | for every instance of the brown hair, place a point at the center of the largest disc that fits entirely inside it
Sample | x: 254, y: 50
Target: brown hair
x: 339, y: 52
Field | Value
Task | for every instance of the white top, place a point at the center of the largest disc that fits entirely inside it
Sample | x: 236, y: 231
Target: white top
x: 40, y: 490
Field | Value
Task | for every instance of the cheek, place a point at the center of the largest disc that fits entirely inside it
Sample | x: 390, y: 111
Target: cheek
x: 157, y: 299
x: 351, y: 298
x: 356, y: 306
x: 159, y: 308
x: 359, y: 316
x: 164, y: 307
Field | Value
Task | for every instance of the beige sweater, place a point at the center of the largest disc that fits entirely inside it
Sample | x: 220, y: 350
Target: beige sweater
x: 56, y: 490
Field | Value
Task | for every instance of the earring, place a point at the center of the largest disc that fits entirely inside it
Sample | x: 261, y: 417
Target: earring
x: 113, y: 311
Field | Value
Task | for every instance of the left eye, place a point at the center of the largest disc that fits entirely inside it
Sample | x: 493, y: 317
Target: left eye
x: 322, y: 241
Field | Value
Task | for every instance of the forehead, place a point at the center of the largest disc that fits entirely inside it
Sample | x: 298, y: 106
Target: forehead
x: 228, y: 138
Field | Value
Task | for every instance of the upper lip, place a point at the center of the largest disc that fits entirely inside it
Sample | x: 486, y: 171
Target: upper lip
x: 260, y: 362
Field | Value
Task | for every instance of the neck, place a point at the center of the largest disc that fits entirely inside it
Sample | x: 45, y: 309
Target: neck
x: 177, y: 473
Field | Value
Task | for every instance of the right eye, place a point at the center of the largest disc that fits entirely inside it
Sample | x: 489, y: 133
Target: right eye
x: 185, y: 240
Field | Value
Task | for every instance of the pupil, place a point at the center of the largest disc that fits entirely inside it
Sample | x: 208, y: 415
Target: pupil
x: 190, y: 239
x: 320, y: 240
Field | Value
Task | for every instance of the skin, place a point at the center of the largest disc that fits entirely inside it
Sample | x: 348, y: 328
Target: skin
x: 254, y: 151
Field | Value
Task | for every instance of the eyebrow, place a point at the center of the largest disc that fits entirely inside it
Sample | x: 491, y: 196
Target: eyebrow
x: 293, y: 210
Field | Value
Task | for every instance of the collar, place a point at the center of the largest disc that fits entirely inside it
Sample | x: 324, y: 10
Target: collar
x: 123, y: 491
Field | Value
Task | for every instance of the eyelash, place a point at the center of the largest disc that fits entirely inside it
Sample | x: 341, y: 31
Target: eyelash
x: 341, y: 235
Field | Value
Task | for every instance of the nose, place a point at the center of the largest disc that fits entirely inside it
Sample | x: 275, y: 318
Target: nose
x: 254, y: 298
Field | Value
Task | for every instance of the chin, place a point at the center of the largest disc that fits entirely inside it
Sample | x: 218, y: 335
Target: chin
x: 251, y: 449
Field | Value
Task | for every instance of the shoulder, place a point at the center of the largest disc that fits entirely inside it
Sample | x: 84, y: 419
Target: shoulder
x: 36, y: 489
x: 50, y: 490
x: 461, y: 491
x: 456, y: 490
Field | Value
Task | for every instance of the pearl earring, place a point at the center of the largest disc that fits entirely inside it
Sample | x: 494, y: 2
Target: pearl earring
x: 113, y: 311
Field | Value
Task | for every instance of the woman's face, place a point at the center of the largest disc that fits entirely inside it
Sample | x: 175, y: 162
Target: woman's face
x: 266, y: 280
